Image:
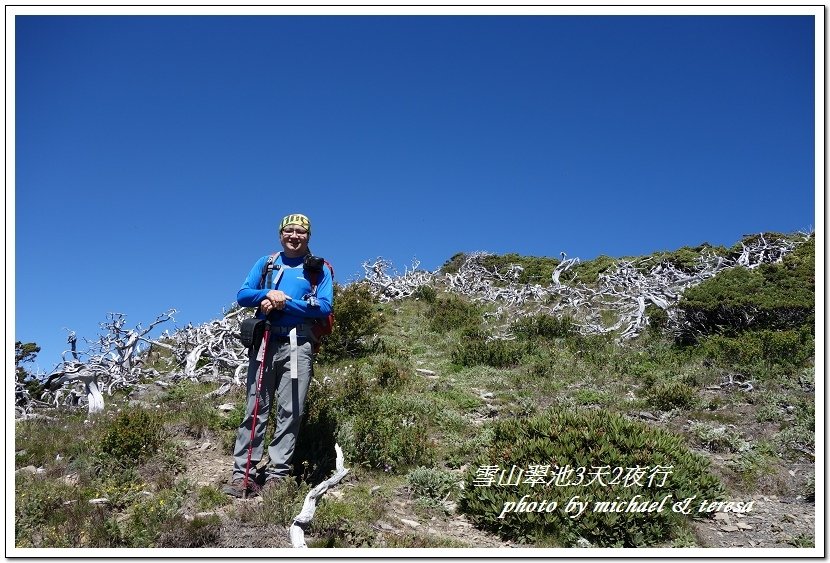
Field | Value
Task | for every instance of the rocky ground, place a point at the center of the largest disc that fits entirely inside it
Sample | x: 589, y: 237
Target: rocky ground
x: 207, y: 466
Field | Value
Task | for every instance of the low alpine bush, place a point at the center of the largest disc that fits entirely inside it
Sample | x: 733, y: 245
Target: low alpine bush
x: 357, y: 322
x: 593, y: 456
x: 453, y: 312
x: 543, y: 326
x: 475, y: 350
x: 133, y: 435
x: 393, y: 432
x: 668, y: 395
x: 432, y: 483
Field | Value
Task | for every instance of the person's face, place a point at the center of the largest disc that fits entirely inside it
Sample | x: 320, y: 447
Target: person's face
x: 294, y: 239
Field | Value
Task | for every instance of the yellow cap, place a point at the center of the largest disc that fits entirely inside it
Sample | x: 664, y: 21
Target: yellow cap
x: 296, y: 219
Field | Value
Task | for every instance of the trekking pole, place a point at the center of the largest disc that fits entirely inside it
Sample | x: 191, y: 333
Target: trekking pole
x: 265, y: 339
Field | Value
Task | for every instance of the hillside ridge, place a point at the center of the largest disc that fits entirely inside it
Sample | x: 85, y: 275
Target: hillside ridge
x: 424, y: 367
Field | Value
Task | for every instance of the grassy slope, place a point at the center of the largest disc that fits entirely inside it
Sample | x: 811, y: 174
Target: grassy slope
x: 439, y: 420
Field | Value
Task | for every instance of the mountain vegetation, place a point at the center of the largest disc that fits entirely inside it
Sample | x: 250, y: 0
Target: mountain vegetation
x: 502, y: 415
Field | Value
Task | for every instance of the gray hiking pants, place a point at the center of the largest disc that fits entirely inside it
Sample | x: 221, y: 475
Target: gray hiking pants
x: 290, y: 395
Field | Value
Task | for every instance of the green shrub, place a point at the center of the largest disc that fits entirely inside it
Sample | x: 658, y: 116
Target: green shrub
x: 658, y: 319
x: 794, y: 348
x: 685, y: 259
x: 353, y: 389
x: 454, y: 264
x: 453, y: 312
x: 314, y: 454
x: 534, y: 269
x: 588, y: 272
x: 770, y: 297
x: 392, y: 432
x: 543, y: 326
x: 348, y: 521
x: 668, y: 395
x: 45, y: 510
x: 475, y: 350
x: 390, y: 374
x: 425, y: 293
x: 796, y: 441
x: 133, y: 435
x: 281, y: 503
x: 719, y: 438
x: 598, y: 456
x: 200, y: 418
x: 596, y: 349
x: 153, y: 516
x: 432, y: 483
x: 357, y: 321
x: 210, y: 498
x: 593, y: 397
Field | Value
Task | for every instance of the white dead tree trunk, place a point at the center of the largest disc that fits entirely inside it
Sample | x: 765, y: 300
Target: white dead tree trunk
x: 310, y: 504
x: 111, y: 363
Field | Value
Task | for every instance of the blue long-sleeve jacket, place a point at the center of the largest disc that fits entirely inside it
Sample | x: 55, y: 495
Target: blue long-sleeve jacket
x: 296, y: 283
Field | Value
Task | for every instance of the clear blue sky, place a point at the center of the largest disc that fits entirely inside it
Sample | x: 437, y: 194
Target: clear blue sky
x: 156, y: 155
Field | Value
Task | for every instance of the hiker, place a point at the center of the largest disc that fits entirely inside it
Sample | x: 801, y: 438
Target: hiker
x: 292, y: 306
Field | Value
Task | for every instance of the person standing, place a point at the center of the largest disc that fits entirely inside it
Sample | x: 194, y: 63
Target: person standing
x: 291, y: 303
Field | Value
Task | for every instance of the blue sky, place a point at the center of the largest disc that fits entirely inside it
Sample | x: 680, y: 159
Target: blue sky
x: 155, y: 156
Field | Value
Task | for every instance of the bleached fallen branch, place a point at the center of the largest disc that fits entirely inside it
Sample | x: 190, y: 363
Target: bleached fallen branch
x: 116, y: 359
x: 310, y: 504
x: 390, y: 287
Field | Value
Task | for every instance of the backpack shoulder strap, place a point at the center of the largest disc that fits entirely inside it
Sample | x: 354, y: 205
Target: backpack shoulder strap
x: 272, y: 263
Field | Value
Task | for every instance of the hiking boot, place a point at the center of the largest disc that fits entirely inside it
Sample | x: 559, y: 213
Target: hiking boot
x: 236, y: 488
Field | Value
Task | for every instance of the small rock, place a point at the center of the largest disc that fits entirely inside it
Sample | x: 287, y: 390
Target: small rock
x: 744, y: 526
x: 205, y: 446
x: 424, y: 371
x: 647, y: 415
x: 386, y: 525
x: 31, y: 469
x: 487, y: 395
x: 729, y: 528
x: 226, y: 407
x: 721, y: 516
x: 101, y: 500
x: 374, y: 489
x: 410, y: 523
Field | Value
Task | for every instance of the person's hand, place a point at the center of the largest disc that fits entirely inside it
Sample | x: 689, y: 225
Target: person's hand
x: 274, y: 301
